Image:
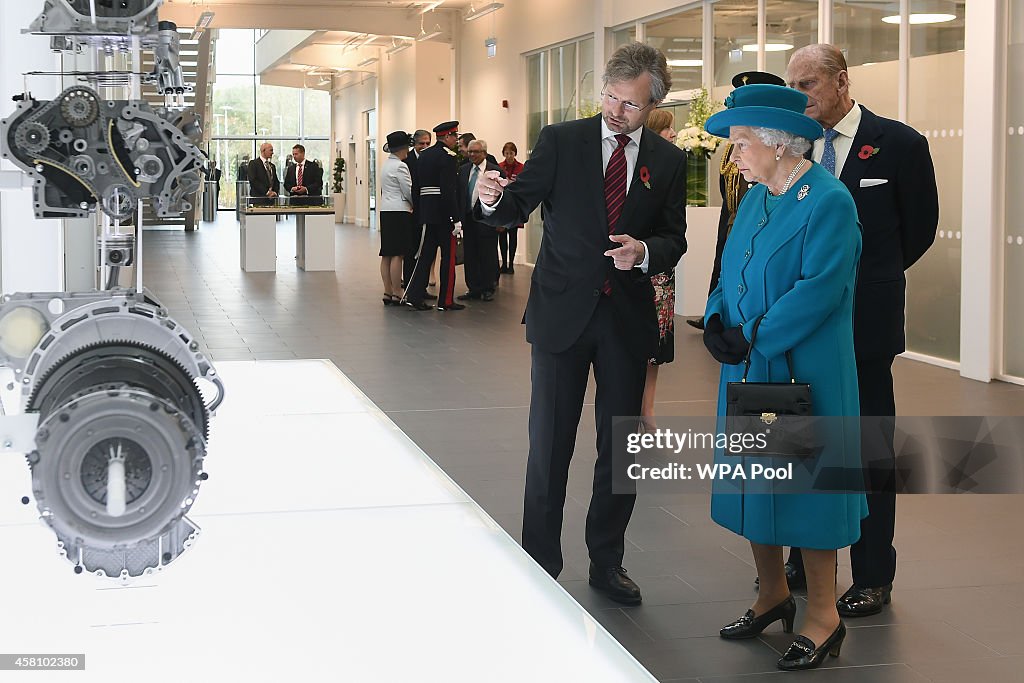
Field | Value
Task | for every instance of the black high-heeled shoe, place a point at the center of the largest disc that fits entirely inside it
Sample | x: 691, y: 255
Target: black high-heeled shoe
x: 803, y: 655
x: 749, y: 626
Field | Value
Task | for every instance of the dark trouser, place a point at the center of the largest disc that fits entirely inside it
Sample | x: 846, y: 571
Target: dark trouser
x: 488, y: 238
x: 471, y: 257
x: 873, y: 557
x: 439, y: 235
x: 409, y: 263
x: 556, y: 402
x: 508, y: 242
x: 716, y: 268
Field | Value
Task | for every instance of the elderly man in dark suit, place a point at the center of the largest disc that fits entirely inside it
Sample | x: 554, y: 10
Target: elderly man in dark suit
x: 614, y: 214
x: 480, y: 245
x: 887, y: 168
x: 263, y: 179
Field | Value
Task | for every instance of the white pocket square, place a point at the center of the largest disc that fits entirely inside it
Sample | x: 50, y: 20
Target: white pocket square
x: 871, y: 182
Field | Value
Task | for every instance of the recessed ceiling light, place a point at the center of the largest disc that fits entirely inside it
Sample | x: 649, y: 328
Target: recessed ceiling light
x: 768, y: 47
x: 921, y: 18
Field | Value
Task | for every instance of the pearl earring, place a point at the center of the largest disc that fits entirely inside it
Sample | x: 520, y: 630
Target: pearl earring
x: 778, y: 157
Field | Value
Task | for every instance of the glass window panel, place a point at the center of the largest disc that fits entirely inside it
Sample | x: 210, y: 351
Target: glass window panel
x: 936, y: 105
x: 623, y: 36
x: 679, y: 37
x: 537, y: 111
x: 235, y: 51
x: 735, y: 27
x: 316, y: 113
x: 791, y: 24
x: 319, y: 150
x: 230, y: 154
x: 563, y: 83
x: 865, y: 39
x: 277, y: 111
x: 943, y: 31
x: 233, y: 101
x: 1013, y: 251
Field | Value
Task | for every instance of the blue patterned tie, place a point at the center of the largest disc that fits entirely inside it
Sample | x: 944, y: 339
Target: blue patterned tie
x: 828, y: 155
x: 472, y: 185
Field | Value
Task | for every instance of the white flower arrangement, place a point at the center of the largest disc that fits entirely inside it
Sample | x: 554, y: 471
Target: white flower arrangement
x: 693, y: 138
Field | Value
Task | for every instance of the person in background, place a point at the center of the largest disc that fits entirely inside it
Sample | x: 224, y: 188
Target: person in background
x: 213, y: 174
x: 508, y: 239
x: 263, y: 178
x: 396, y: 209
x: 420, y: 141
x: 784, y: 303
x: 439, y: 210
x: 732, y: 186
x: 481, y: 240
x: 304, y: 179
x: 660, y: 121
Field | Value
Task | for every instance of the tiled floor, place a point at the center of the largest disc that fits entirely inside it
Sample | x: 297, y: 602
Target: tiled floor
x: 458, y: 384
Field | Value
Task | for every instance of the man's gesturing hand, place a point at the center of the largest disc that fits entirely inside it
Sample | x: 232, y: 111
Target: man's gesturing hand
x: 630, y: 254
x: 490, y: 187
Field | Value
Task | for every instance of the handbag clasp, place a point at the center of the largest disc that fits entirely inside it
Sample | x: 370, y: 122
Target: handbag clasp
x: 769, y: 418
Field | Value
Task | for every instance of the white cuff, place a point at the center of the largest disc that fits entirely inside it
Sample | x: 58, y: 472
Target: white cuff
x: 643, y: 265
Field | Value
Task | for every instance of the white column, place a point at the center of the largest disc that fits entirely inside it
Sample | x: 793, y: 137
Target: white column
x: 981, y: 265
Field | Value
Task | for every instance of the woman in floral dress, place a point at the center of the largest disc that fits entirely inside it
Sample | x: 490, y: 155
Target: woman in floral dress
x: 660, y: 121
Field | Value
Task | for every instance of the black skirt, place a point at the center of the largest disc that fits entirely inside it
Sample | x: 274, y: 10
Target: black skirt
x: 395, y: 232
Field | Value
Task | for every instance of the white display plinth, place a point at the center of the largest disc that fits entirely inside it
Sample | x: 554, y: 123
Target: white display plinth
x: 258, y: 244
x: 332, y: 549
x: 693, y: 273
x: 314, y: 241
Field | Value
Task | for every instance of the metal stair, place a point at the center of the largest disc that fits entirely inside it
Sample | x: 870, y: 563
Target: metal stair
x: 196, y: 57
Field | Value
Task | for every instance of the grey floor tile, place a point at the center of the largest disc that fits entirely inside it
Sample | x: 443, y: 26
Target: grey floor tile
x: 884, y: 673
x: 989, y: 670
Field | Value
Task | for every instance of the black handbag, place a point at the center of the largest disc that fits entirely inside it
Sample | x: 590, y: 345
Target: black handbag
x: 777, y: 415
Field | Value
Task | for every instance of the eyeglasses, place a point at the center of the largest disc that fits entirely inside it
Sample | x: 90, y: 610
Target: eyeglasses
x: 631, y: 107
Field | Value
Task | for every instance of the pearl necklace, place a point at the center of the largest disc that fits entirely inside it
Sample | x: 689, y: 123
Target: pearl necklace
x: 789, y: 180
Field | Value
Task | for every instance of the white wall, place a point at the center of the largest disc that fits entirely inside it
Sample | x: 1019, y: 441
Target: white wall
x: 31, y: 256
x: 349, y: 102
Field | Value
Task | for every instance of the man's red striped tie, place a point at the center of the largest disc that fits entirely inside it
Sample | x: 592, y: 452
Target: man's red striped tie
x: 615, y: 189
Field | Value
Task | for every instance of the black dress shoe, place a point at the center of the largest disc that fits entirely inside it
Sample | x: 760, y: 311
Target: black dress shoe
x: 696, y: 322
x: 503, y: 269
x: 468, y: 295
x: 511, y: 269
x: 863, y: 602
x: 613, y: 582
x: 795, y: 577
x: 487, y: 296
x: 802, y: 654
x: 749, y: 626
x: 429, y: 297
x: 451, y: 307
x: 418, y: 305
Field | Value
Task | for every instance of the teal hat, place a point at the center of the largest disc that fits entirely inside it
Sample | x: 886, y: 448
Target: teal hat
x: 765, y: 106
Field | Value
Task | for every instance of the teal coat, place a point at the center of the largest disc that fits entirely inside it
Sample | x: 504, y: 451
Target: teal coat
x: 797, y: 268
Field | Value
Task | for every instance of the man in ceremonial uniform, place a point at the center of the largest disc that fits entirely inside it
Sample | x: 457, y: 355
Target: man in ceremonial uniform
x: 437, y: 170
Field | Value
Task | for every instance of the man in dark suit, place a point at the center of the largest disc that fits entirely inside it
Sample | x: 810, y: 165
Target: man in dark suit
x: 887, y: 168
x: 263, y: 180
x: 614, y: 198
x: 480, y: 244
x: 304, y: 179
x: 420, y: 141
x: 439, y: 211
x: 213, y: 174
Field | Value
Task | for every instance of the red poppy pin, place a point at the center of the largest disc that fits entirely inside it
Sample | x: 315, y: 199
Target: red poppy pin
x: 645, y: 177
x: 867, y: 151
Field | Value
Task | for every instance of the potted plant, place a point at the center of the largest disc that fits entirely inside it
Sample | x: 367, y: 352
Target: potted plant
x: 339, y: 190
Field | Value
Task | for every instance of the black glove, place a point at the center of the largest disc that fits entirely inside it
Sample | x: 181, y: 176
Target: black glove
x: 724, y: 349
x: 735, y: 341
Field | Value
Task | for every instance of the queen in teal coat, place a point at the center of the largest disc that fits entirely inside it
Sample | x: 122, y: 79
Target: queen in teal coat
x: 791, y: 261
